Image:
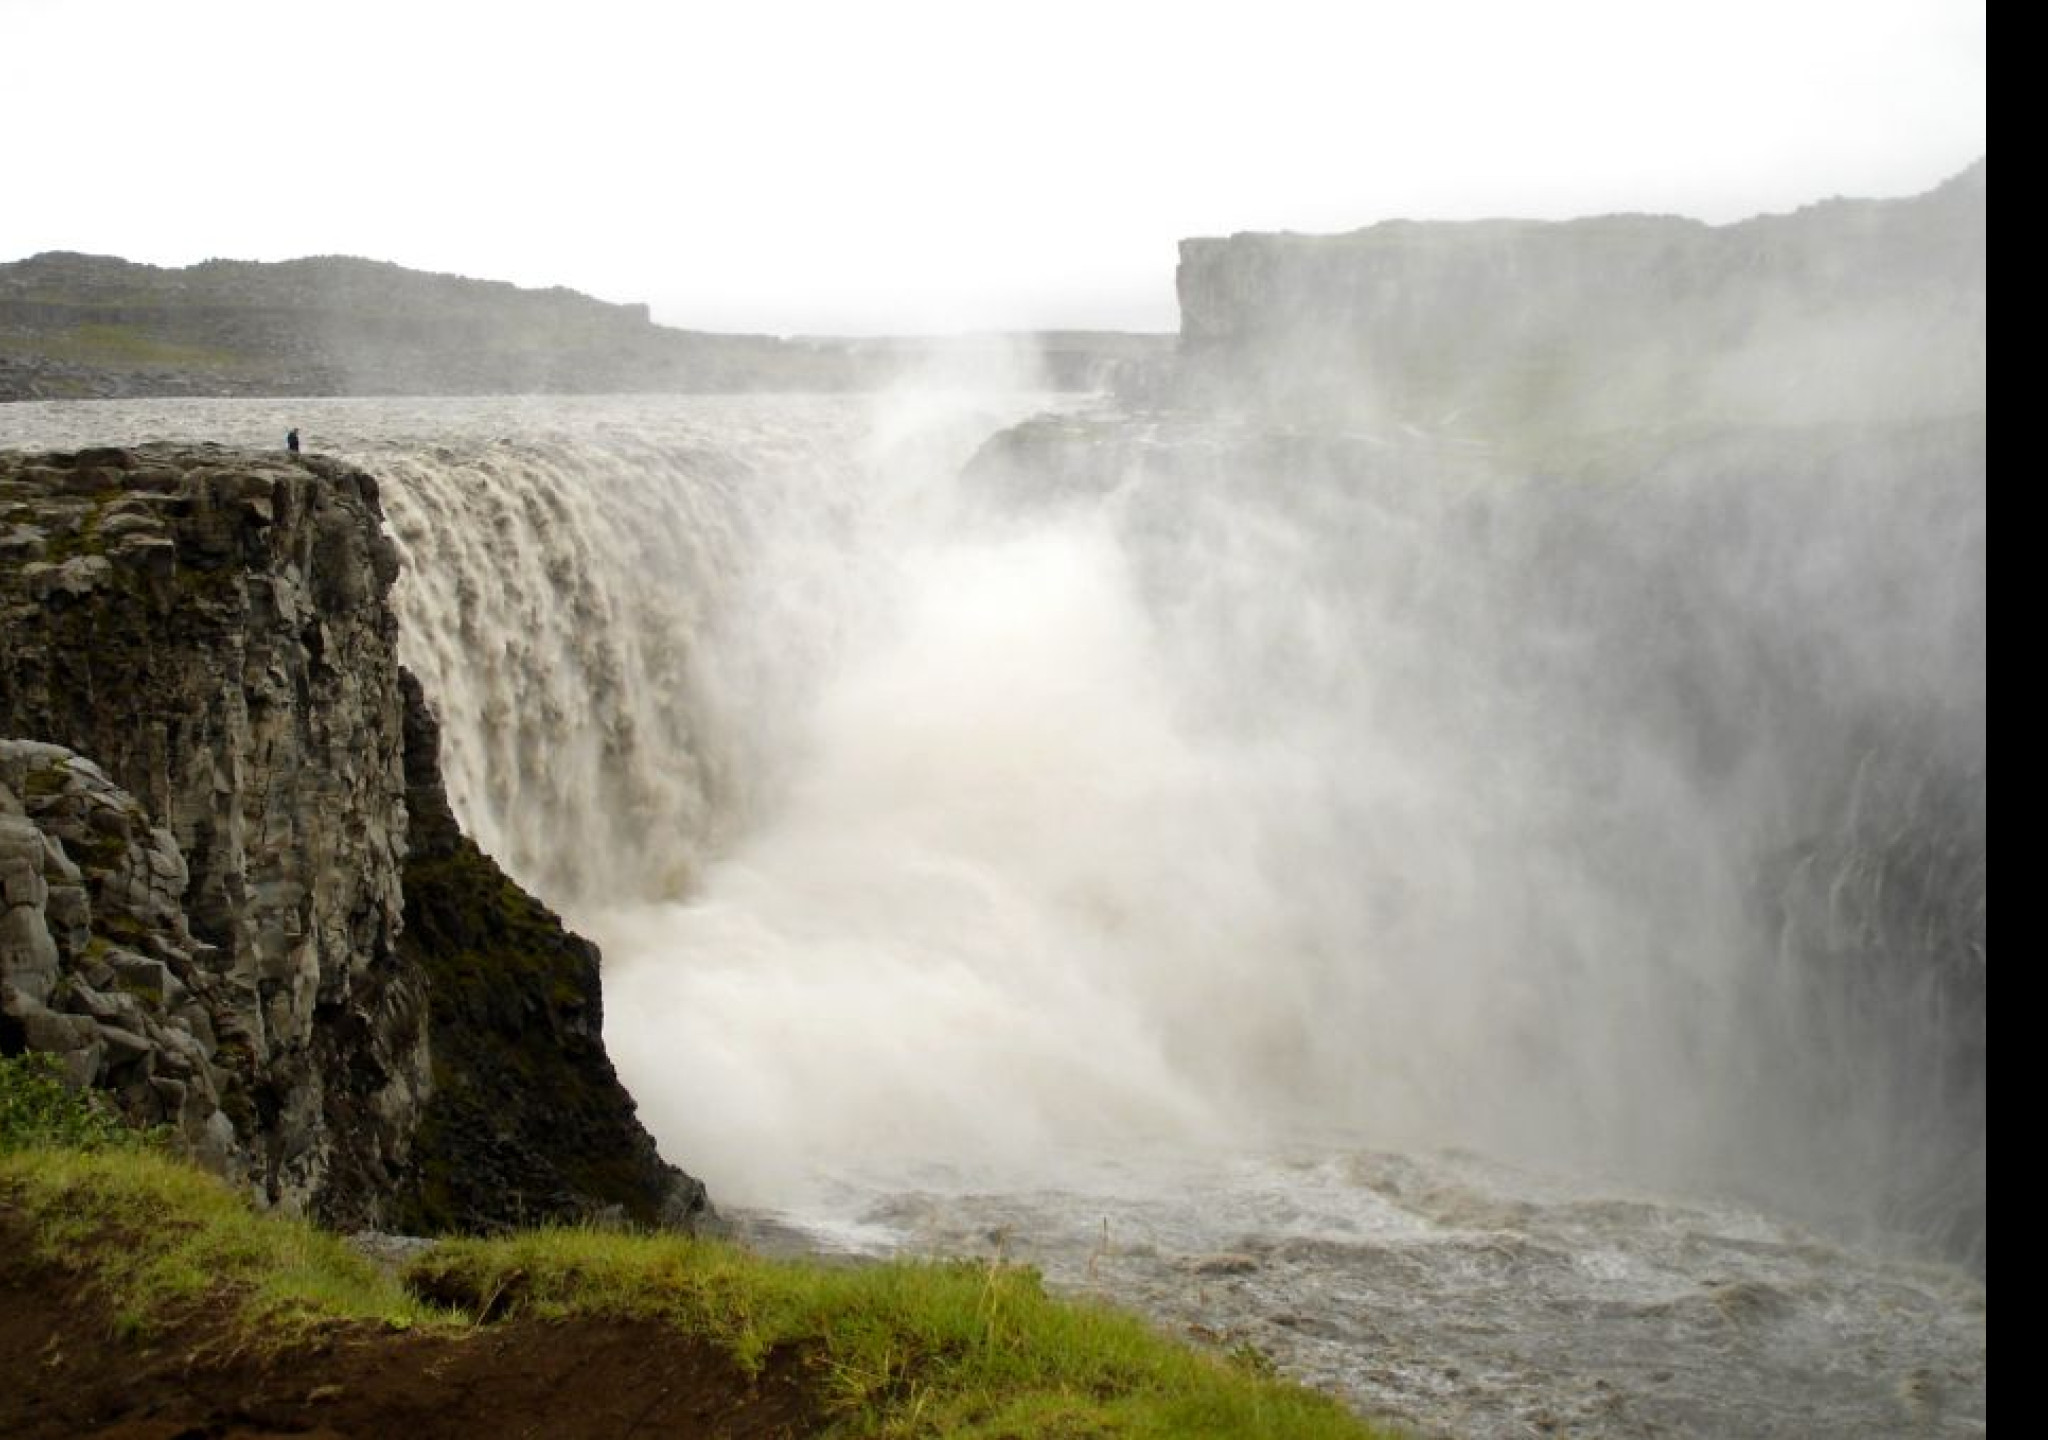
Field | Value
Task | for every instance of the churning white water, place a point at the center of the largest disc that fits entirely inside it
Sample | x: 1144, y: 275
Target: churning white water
x: 1180, y: 873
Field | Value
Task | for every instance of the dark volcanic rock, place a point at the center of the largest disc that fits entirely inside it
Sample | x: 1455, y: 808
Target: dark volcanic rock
x: 211, y: 627
x: 527, y: 1119
x: 209, y: 631
x: 98, y: 965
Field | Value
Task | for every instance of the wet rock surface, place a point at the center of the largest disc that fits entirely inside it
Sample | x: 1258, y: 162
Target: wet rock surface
x: 527, y: 1119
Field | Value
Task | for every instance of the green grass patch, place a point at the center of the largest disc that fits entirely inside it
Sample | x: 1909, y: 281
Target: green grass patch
x: 104, y: 343
x: 157, y: 1235
x: 160, y: 1239
x: 37, y: 1109
x: 902, y: 1349
x: 925, y: 1349
x: 83, y: 538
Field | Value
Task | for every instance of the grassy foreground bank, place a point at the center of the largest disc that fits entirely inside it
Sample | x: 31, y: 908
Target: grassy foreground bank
x: 896, y: 1350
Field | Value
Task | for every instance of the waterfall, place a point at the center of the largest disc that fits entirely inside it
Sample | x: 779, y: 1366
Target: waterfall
x: 1173, y: 783
x: 1224, y: 786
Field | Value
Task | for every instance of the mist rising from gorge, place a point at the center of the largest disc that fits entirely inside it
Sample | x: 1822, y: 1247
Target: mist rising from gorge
x: 1308, y: 743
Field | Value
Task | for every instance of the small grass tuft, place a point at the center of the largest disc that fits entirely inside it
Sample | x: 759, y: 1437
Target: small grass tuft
x: 38, y: 1109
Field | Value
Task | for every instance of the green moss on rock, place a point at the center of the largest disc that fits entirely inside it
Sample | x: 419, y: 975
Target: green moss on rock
x: 528, y: 1121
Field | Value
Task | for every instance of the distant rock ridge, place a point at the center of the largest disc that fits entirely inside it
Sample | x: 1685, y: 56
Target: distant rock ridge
x: 218, y: 815
x: 1845, y: 309
x: 90, y: 326
x: 94, y: 327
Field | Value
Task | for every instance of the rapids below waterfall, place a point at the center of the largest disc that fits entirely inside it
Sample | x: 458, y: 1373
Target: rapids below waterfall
x: 1503, y: 939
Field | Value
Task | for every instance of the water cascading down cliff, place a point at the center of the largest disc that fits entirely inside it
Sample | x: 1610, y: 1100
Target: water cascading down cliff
x: 1602, y: 794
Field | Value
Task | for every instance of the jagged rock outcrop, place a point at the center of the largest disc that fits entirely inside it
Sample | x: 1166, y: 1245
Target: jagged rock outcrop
x: 211, y: 629
x: 208, y: 634
x: 98, y: 965
x: 1844, y: 309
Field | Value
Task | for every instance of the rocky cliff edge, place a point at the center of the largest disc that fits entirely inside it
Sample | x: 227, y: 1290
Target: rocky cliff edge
x: 234, y: 896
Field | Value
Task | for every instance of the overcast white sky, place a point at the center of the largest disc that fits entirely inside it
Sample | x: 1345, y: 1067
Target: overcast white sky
x: 872, y: 165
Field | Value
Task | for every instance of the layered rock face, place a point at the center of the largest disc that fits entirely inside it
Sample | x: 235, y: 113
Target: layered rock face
x: 211, y: 629
x: 1864, y: 308
x: 98, y: 964
x: 206, y: 885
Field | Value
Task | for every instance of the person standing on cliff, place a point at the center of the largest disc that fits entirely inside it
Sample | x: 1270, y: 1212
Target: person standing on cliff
x: 291, y: 440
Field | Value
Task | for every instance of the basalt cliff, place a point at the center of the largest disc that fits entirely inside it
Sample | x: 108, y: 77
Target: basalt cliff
x: 235, y: 897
